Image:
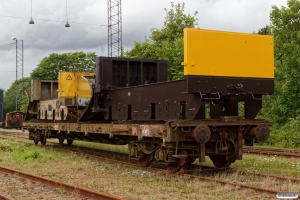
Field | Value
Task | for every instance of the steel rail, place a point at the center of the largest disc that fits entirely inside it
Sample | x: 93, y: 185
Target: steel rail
x: 235, y: 184
x: 167, y: 172
x: 273, y: 176
x: 264, y: 151
x: 2, y: 197
x: 272, y: 149
x: 82, y: 192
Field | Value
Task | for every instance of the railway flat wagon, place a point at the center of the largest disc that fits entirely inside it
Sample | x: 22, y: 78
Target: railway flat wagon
x: 210, y: 112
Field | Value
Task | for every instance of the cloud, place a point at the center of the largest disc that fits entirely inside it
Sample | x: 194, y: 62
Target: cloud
x: 139, y: 17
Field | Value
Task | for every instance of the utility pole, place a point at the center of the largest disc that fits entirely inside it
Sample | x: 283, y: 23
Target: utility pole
x: 114, y: 28
x: 19, y: 68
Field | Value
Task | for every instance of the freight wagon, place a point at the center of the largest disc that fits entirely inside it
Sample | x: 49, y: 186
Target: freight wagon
x: 210, y: 112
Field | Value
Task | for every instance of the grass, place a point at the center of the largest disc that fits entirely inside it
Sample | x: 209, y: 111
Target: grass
x: 269, y: 164
x: 5, y: 146
x: 134, y: 184
x: 61, y: 190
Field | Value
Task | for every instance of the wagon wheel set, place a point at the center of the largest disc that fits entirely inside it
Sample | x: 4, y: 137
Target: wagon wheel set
x: 176, y: 161
x: 146, y: 159
x: 218, y: 161
x: 61, y: 141
x: 39, y: 136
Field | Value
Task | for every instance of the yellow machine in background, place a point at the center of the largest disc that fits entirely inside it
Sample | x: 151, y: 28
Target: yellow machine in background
x: 73, y: 89
x: 228, y: 54
x: 64, y: 99
x: 71, y: 84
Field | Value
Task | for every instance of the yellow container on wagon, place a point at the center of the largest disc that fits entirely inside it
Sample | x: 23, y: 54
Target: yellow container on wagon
x: 228, y: 54
x: 71, y: 84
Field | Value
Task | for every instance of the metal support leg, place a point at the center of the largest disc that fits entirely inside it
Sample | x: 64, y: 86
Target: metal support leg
x: 240, y: 143
x: 201, y: 152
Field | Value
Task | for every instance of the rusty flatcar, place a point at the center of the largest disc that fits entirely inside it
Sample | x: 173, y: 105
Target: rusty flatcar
x: 173, y: 122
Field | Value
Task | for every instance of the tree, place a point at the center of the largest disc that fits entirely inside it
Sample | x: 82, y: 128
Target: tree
x: 264, y: 31
x: 73, y: 62
x: 285, y: 26
x: 9, y: 99
x: 166, y: 43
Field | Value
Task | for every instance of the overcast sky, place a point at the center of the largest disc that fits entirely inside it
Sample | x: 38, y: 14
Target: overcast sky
x: 138, y: 17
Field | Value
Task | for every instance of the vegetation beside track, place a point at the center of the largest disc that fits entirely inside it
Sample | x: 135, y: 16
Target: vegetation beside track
x: 136, y: 184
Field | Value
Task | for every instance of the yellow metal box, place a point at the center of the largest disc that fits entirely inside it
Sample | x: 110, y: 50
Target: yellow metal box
x: 71, y: 84
x: 229, y: 54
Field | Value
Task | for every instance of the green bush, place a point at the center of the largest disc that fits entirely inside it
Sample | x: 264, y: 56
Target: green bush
x: 287, y: 136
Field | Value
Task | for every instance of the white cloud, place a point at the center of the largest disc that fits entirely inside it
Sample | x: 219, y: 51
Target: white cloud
x: 46, y: 37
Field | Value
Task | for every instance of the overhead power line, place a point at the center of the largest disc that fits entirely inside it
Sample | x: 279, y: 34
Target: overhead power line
x: 54, y: 21
x: 6, y: 45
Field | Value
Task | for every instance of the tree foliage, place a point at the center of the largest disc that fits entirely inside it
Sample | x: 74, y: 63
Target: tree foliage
x: 264, y: 31
x: 166, y: 43
x: 49, y: 67
x: 9, y: 99
x: 285, y: 26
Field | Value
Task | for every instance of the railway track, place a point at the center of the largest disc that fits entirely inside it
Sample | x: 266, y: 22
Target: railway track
x: 199, y: 177
x: 71, y: 190
x: 292, y: 153
x: 3, y: 197
x: 246, y: 149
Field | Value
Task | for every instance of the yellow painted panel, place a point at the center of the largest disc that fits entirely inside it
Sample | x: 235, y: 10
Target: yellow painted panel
x: 71, y: 84
x: 230, y: 54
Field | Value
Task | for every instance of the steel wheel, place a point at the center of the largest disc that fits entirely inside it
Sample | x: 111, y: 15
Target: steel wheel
x: 146, y: 160
x: 70, y: 142
x: 43, y: 139
x: 36, y: 139
x: 179, y: 162
x: 61, y: 140
x: 220, y: 161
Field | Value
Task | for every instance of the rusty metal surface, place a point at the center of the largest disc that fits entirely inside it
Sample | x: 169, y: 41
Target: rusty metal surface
x: 240, y: 143
x: 13, y: 120
x: 274, y: 176
x: 215, y: 137
x: 3, y: 197
x: 137, y: 130
x: 261, y: 132
x: 270, y: 151
x: 201, y: 152
x: 201, y: 133
x: 83, y: 192
x: 194, y: 123
x: 43, y: 89
x: 235, y: 184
